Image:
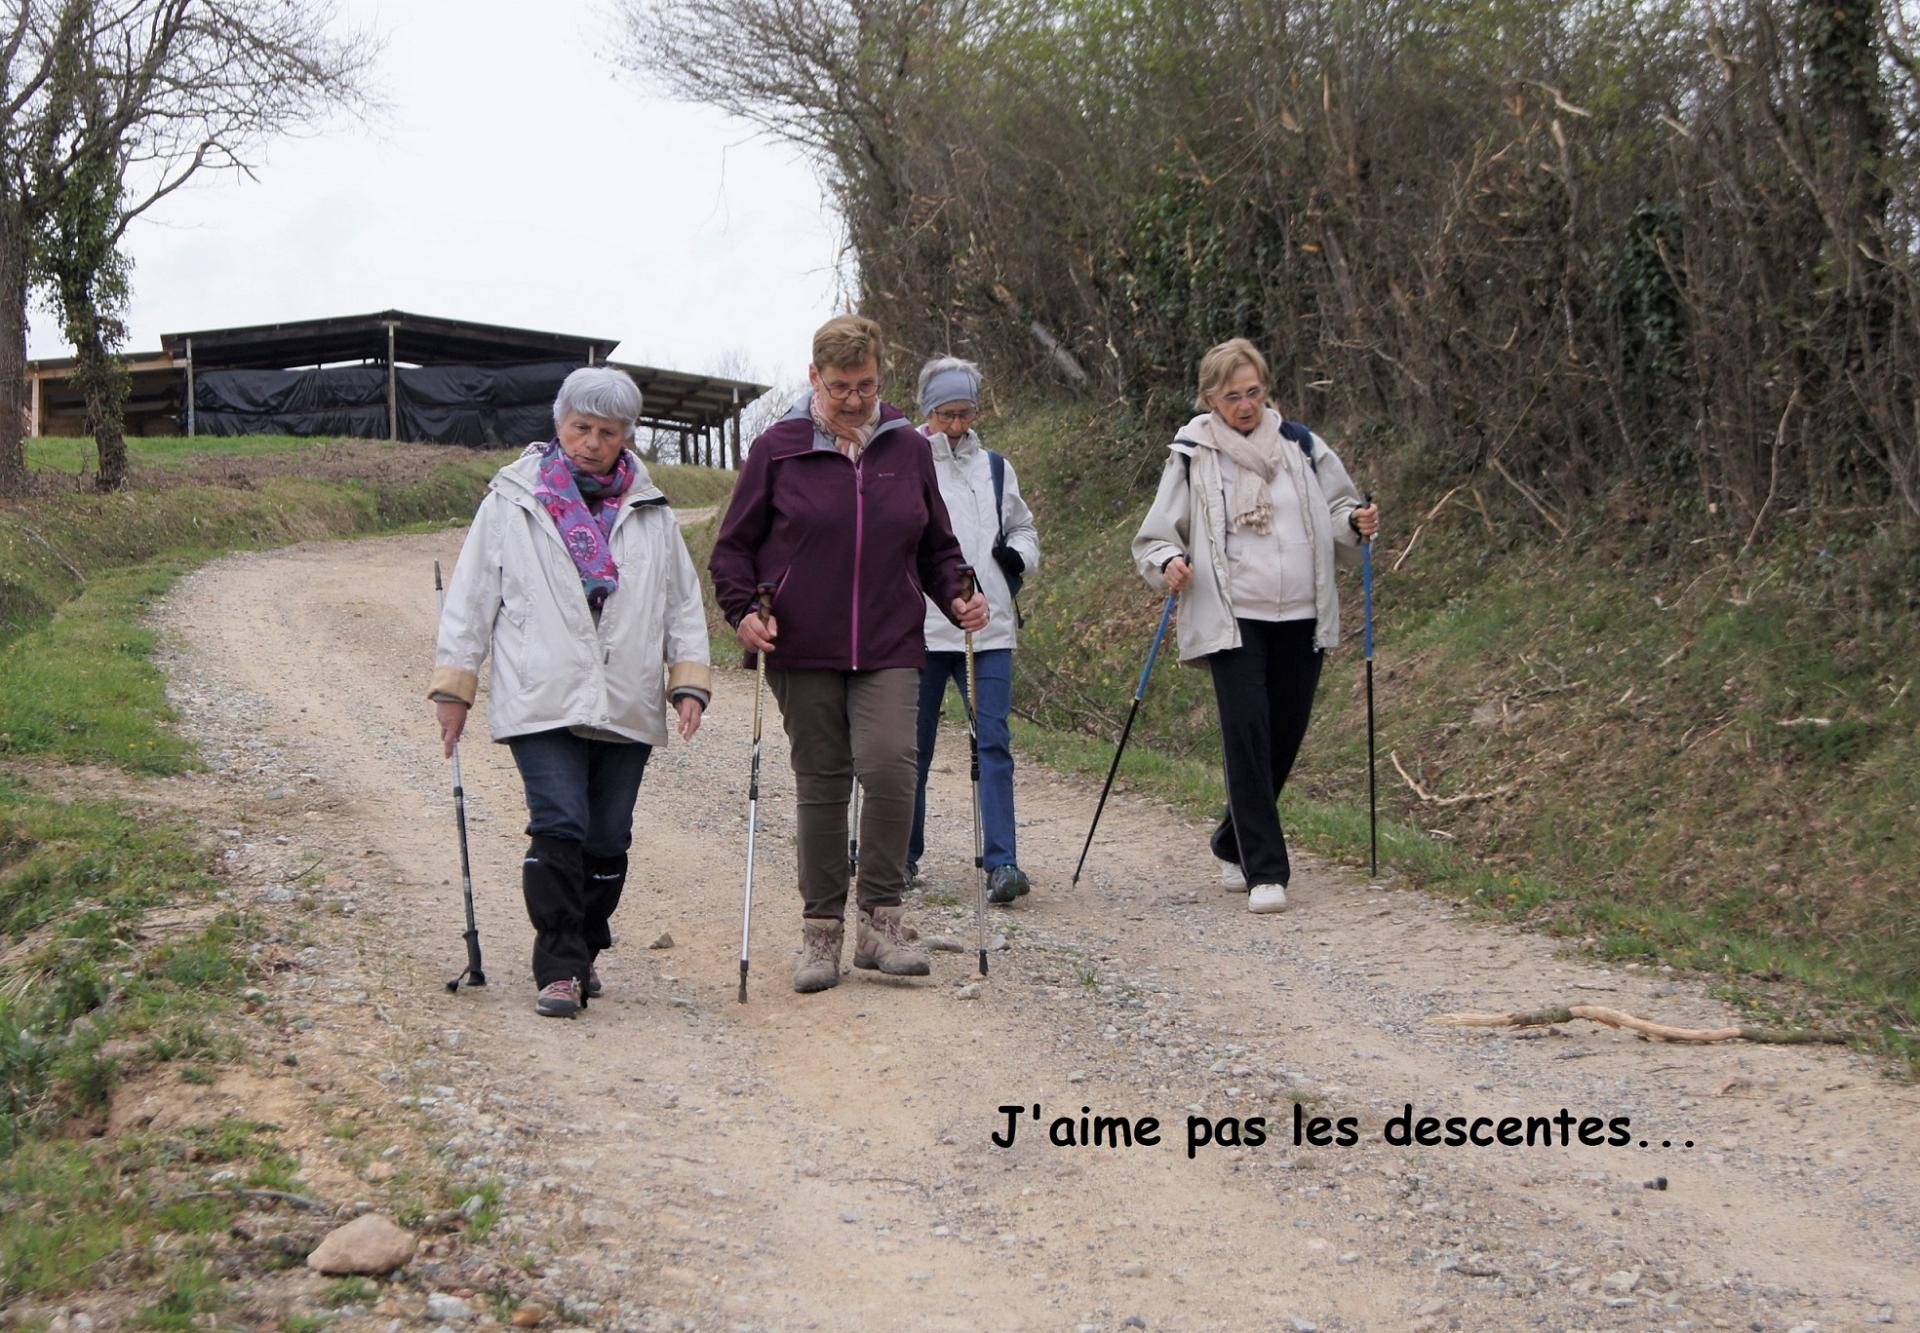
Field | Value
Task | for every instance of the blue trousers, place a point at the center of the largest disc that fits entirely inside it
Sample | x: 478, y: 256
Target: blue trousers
x: 994, y: 670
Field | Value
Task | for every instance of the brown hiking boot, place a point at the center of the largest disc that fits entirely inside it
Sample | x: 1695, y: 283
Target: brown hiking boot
x: 819, y: 966
x: 883, y: 944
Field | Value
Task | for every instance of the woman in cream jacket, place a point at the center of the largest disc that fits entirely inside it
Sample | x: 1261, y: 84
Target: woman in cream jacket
x: 1251, y: 512
x: 574, y: 575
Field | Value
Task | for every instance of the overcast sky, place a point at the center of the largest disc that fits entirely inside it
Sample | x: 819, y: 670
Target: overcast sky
x: 518, y: 177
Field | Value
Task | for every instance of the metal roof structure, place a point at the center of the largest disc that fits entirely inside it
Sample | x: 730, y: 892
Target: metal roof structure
x: 419, y: 340
x: 698, y: 408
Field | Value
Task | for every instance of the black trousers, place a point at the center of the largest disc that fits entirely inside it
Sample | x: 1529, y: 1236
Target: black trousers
x: 1264, y: 690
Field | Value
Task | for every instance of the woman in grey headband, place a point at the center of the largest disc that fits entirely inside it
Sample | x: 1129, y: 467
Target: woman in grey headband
x: 996, y: 531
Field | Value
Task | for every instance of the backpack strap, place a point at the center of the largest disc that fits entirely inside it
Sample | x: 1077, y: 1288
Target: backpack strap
x: 998, y: 467
x: 1298, y: 432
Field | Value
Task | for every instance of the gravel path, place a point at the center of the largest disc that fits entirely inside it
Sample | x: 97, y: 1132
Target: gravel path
x: 681, y: 1160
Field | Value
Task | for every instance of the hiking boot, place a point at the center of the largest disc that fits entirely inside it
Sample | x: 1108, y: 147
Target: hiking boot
x: 1267, y: 898
x: 593, y: 982
x: 1232, y: 877
x: 1006, y: 883
x: 819, y: 966
x: 558, y: 999
x: 882, y: 944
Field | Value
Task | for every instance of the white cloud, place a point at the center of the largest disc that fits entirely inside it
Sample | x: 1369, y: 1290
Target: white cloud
x: 518, y: 177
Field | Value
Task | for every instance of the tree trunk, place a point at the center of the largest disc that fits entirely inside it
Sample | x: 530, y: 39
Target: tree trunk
x: 13, y: 353
x: 105, y: 385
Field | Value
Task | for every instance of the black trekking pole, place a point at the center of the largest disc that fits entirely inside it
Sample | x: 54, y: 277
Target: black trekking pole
x: 969, y: 582
x: 1373, y: 807
x: 763, y: 599
x: 1139, y: 693
x: 474, y: 975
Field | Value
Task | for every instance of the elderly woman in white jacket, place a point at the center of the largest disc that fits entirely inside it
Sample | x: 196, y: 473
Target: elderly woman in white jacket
x: 1250, y: 515
x: 575, y: 576
x: 996, y: 532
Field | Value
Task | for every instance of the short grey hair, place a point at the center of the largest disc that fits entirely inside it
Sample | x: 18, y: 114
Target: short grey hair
x: 944, y: 365
x: 599, y: 391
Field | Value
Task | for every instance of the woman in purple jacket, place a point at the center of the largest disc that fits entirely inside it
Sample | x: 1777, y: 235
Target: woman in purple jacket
x: 838, y: 507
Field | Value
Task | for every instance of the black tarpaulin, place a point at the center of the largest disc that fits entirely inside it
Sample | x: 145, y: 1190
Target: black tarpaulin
x: 495, y: 405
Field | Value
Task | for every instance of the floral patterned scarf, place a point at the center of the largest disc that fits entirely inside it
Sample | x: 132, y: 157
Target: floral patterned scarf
x: 584, y: 506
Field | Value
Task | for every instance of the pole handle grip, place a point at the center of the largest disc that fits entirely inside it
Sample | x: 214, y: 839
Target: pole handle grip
x: 437, y: 585
x: 969, y: 582
x: 763, y: 600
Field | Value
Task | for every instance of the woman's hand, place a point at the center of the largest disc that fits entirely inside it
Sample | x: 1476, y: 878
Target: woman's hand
x: 971, y: 612
x: 453, y: 720
x: 1178, y: 574
x: 691, y: 711
x: 1366, y: 521
x: 755, y: 635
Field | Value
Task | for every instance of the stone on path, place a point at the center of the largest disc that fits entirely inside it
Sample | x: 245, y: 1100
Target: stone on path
x: 370, y: 1244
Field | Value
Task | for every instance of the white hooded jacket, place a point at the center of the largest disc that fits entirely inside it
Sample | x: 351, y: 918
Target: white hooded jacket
x: 966, y: 485
x: 516, y: 591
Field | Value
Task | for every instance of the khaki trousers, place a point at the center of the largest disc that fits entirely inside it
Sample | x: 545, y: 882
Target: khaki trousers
x: 843, y: 724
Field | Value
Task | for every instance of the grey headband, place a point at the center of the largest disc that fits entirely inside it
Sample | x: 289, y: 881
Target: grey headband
x: 953, y: 385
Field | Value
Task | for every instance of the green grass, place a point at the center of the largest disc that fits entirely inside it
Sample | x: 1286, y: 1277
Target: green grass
x: 58, y: 453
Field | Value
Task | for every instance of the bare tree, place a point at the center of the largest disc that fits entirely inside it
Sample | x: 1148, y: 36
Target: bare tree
x: 109, y: 106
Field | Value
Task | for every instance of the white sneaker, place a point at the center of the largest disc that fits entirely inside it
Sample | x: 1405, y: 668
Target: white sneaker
x: 1267, y: 898
x: 1231, y: 875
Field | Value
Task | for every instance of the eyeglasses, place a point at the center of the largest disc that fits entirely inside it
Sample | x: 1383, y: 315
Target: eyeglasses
x: 841, y: 392
x: 958, y: 416
x: 1250, y: 396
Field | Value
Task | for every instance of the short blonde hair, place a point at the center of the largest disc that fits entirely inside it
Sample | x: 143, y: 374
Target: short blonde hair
x: 846, y: 341
x: 1221, y: 363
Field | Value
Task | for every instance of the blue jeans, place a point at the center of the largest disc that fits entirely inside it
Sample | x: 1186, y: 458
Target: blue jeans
x: 994, y: 669
x: 581, y: 790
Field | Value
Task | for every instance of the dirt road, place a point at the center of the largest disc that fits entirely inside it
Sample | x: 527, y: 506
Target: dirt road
x: 825, y: 1161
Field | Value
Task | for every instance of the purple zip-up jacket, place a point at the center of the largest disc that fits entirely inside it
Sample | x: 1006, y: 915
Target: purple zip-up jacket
x: 850, y: 545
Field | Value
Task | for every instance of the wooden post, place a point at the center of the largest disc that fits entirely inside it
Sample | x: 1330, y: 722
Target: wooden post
x: 736, y: 430
x: 190, y: 421
x: 683, y: 446
x: 591, y: 349
x: 34, y: 411
x: 393, y: 388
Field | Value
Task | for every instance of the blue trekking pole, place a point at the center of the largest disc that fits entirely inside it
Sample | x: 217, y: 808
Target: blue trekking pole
x: 1139, y: 693
x: 1373, y: 808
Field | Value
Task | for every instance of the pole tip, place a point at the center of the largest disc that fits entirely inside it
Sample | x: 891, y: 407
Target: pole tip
x: 983, y: 962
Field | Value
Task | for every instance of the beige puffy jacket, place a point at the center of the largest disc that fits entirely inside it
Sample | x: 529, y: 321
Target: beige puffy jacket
x: 1189, y: 518
x: 516, y: 591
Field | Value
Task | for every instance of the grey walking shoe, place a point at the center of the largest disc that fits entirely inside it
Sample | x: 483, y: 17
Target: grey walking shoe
x: 915, y: 879
x: 819, y: 967
x: 1005, y: 883
x: 558, y: 999
x: 885, y: 943
x: 593, y: 982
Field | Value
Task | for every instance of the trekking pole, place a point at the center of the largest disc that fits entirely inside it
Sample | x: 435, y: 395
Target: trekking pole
x: 1139, y: 693
x: 973, y: 754
x: 475, y: 974
x: 763, y: 603
x: 853, y: 832
x: 1373, y: 808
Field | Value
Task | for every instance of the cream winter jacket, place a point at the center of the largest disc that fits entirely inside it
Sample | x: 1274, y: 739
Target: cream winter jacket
x: 966, y: 484
x: 1189, y: 518
x: 516, y: 591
